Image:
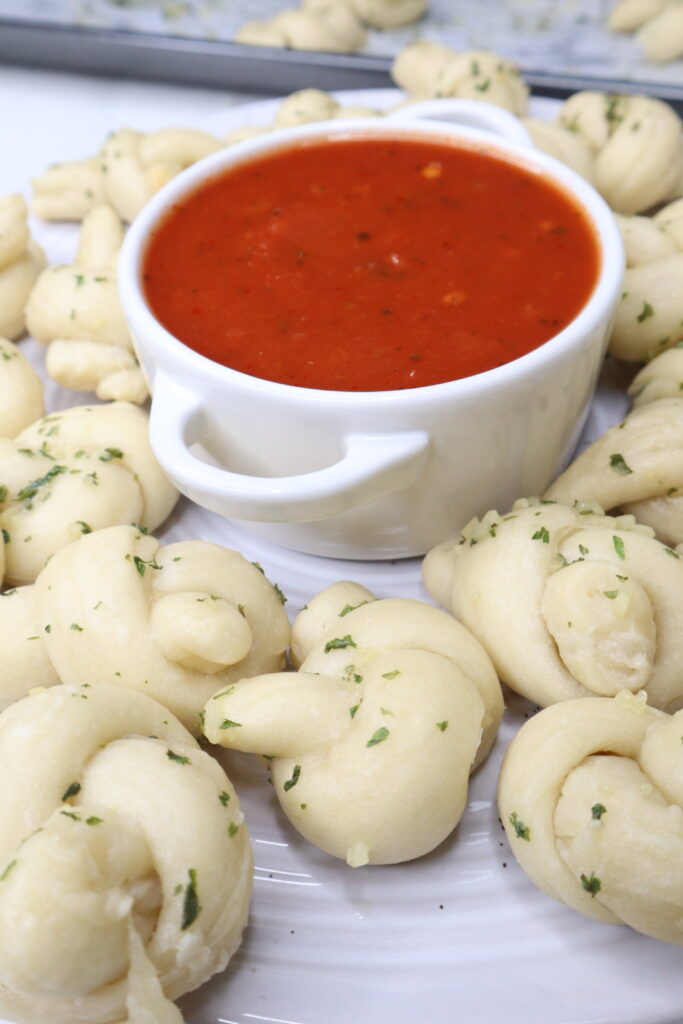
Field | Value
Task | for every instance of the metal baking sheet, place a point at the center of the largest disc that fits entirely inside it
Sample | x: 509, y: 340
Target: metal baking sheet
x: 561, y: 45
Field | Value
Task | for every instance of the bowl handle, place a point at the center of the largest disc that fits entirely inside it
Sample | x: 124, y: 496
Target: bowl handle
x: 470, y: 113
x: 374, y: 464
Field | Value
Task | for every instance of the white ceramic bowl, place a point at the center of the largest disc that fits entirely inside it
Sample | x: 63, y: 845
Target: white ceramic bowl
x: 372, y: 475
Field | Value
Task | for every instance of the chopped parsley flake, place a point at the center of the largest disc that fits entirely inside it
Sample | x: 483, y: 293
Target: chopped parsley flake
x: 339, y: 643
x: 592, y: 885
x: 542, y: 535
x: 619, y: 547
x: 391, y: 675
x: 671, y: 552
x: 232, y: 829
x: 619, y: 464
x: 71, y: 790
x: 111, y: 453
x: 611, y: 594
x: 93, y: 820
x: 597, y: 811
x: 223, y: 693
x: 290, y: 783
x: 191, y: 906
x: 141, y: 565
x: 442, y: 725
x: 227, y: 723
x: 350, y: 608
x: 352, y: 711
x: 224, y: 798
x: 378, y: 737
x: 646, y: 312
x: 522, y: 831
x: 85, y: 528
x: 584, y: 550
x: 76, y: 627
x: 281, y: 597
x: 172, y: 756
x: 31, y: 489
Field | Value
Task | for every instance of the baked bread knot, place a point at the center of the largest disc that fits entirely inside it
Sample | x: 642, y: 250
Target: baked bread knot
x: 175, y: 621
x: 302, y: 107
x: 568, y: 602
x: 335, y: 26
x: 658, y: 25
x: 662, y: 377
x: 127, y: 170
x: 21, y: 261
x: 126, y: 869
x: 560, y: 142
x: 329, y: 25
x: 636, y: 467
x: 428, y: 70
x: 649, y: 314
x: 72, y: 472
x: 382, y: 14
x: 372, y: 741
x: 637, y: 146
x: 591, y: 797
x: 76, y: 312
x: 652, y: 238
x: 21, y: 391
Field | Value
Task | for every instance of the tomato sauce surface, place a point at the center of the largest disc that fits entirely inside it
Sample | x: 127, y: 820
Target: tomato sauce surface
x: 370, y: 264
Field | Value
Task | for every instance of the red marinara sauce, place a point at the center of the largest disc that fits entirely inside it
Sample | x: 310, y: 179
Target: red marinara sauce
x: 370, y: 264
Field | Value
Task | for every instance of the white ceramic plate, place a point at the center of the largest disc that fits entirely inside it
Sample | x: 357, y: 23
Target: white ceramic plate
x: 458, y: 936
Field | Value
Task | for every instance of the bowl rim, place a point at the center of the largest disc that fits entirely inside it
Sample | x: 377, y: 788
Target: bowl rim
x: 171, y: 353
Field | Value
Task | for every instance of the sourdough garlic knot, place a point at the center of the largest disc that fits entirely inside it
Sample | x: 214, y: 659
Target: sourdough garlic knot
x: 125, y: 867
x: 591, y: 797
x: 658, y: 25
x: 336, y: 26
x: 637, y: 145
x: 662, y: 377
x: 75, y: 311
x: 636, y: 467
x: 568, y: 602
x: 649, y: 315
x: 127, y: 170
x: 428, y: 70
x: 73, y: 472
x: 175, y: 622
x: 330, y: 25
x: 371, y: 742
x: 21, y: 391
x: 21, y: 261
